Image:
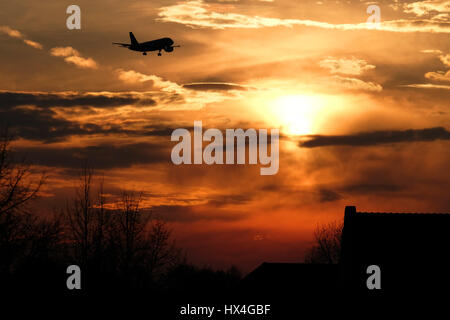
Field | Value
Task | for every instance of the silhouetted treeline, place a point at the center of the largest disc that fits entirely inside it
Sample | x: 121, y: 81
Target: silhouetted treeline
x: 116, y: 243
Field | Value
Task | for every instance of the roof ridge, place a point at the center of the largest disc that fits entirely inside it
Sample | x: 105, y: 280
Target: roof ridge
x: 405, y: 213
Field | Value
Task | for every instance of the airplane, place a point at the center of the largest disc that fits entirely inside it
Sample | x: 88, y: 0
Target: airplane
x: 165, y: 44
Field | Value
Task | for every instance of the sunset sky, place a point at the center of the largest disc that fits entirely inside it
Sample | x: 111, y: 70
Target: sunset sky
x: 363, y: 112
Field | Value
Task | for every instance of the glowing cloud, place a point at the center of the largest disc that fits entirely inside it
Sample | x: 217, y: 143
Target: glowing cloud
x: 18, y: 35
x: 72, y: 56
x: 356, y: 84
x: 438, y: 76
x: 197, y: 14
x: 131, y: 76
x: 351, y: 66
x: 428, y: 86
x: 437, y: 9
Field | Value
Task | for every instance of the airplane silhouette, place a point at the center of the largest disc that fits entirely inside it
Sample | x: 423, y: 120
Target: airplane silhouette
x: 165, y: 44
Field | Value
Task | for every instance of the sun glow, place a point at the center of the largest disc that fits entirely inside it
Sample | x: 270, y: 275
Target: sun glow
x: 296, y: 113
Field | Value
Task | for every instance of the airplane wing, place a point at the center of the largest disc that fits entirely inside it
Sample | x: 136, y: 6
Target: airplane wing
x: 125, y: 45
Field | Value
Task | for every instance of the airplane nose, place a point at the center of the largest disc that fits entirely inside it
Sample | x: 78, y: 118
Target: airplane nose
x: 171, y: 42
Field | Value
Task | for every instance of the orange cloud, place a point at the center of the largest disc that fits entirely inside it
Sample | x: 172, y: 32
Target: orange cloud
x: 445, y: 58
x: 356, y: 84
x: 436, y: 9
x: 33, y: 44
x: 132, y: 76
x: 351, y: 65
x: 18, y: 35
x: 438, y: 76
x: 428, y: 86
x: 11, y: 32
x: 72, y: 56
x: 198, y: 14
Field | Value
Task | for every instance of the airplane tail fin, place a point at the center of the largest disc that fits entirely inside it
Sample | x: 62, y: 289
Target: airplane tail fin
x: 134, y: 42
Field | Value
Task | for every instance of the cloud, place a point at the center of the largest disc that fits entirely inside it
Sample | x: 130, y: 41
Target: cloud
x: 198, y: 14
x: 435, y: 9
x: 64, y: 52
x: 356, y: 84
x: 33, y: 44
x: 72, y: 56
x: 10, y: 99
x: 352, y: 66
x: 131, y: 76
x: 190, y: 96
x: 191, y: 213
x: 326, y: 195
x: 445, y: 58
x: 104, y: 156
x: 378, y: 137
x: 427, y: 86
x: 215, y: 86
x: 438, y: 76
x: 11, y: 32
x: 56, y: 116
x: 18, y: 35
x: 434, y: 51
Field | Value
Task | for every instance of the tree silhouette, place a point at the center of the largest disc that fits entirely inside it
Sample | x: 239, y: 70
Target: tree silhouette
x: 143, y: 242
x: 117, y: 237
x: 18, y: 187
x: 327, y: 244
x: 117, y: 242
x: 29, y: 244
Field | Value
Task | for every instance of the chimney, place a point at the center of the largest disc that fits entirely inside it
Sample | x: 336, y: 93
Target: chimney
x: 350, y: 210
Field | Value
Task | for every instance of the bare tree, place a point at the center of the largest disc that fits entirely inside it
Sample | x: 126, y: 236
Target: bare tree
x: 327, y: 244
x: 103, y: 220
x: 80, y: 215
x: 144, y: 242
x: 88, y: 221
x: 162, y: 252
x: 117, y: 237
x: 43, y: 236
x: 18, y: 187
x: 131, y: 225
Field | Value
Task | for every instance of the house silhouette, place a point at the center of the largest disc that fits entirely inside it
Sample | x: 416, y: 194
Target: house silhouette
x: 410, y: 249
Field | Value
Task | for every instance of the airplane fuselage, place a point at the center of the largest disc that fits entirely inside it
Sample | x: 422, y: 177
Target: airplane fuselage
x: 165, y: 44
x: 154, y: 45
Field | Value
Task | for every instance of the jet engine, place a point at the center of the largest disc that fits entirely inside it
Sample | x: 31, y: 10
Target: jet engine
x: 168, y: 49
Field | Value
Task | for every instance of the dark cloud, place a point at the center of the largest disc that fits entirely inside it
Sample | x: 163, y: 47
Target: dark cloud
x: 224, y: 200
x: 66, y: 99
x: 215, y: 86
x: 195, y: 213
x: 35, y: 124
x: 378, y: 137
x: 326, y: 195
x: 103, y: 156
x: 45, y: 125
x: 375, y: 187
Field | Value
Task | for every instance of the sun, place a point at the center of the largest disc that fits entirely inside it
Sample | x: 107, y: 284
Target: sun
x: 296, y: 113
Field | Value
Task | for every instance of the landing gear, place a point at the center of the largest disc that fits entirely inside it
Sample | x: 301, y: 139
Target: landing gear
x: 144, y: 53
x: 159, y: 53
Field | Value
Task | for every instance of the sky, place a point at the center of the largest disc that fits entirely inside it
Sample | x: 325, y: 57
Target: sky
x: 362, y: 110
